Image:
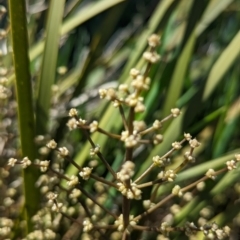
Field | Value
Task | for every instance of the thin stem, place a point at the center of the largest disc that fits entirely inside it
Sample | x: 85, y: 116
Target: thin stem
x: 203, y: 179
x: 154, y: 194
x: 99, y: 154
x: 71, y: 218
x: 100, y: 179
x: 95, y: 201
x: 112, y: 227
x: 73, y: 163
x: 125, y: 211
x: 150, y: 210
x: 59, y: 174
x: 123, y: 117
x: 144, y: 174
x: 151, y: 129
x: 125, y: 235
x: 115, y: 136
x: 147, y: 184
x: 148, y: 130
x: 156, y: 229
x: 130, y: 120
x: 128, y: 157
x: 145, y: 228
x: 144, y: 141
x: 166, y: 118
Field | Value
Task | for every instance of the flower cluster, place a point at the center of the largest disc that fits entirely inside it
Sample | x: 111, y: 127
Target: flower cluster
x: 168, y: 175
x: 92, y: 204
x: 130, y: 96
x: 131, y: 192
x: 126, y: 172
x: 85, y: 173
x: 212, y: 231
x: 120, y: 224
x: 130, y: 140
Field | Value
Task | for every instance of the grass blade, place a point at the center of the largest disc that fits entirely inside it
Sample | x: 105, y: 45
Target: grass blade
x: 48, y: 70
x: 221, y: 66
x: 25, y: 108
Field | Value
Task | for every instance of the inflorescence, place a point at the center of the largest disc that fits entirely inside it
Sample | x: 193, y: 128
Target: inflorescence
x: 126, y: 181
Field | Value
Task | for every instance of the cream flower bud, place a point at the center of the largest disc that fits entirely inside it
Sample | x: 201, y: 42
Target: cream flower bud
x: 123, y: 87
x: 139, y: 126
x: 63, y: 152
x: 169, y: 175
x: 75, y: 193
x: 87, y: 225
x: 139, y: 107
x: 73, y: 112
x: 157, y: 139
x: 231, y: 165
x: 111, y: 94
x: 85, y: 173
x: 187, y: 136
x: 44, y: 165
x: 73, y: 181
x: 164, y: 227
x: 124, y: 135
x: 237, y: 156
x: 177, y: 191
x: 57, y: 207
x: 94, y: 151
x: 12, y: 161
x: 127, y: 171
x: 81, y: 121
x: 157, y: 124
x: 25, y: 162
x: 189, y: 157
x: 51, y: 196
x: 93, y: 126
x: 154, y: 40
x: 102, y: 93
x: 51, y: 144
x: 151, y: 57
x: 175, y: 112
x: 157, y: 161
x: 72, y: 124
x: 210, y: 173
x: 177, y: 145
x: 194, y: 143
x: 134, y: 72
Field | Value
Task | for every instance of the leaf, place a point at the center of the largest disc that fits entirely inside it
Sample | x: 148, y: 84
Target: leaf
x: 201, y: 169
x: 177, y: 81
x: 214, y: 8
x: 25, y: 107
x: 222, y: 65
x: 49, y: 61
x: 79, y: 18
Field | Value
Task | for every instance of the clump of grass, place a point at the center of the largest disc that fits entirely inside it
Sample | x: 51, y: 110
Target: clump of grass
x: 96, y: 207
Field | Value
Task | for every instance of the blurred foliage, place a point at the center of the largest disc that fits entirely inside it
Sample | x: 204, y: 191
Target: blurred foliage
x: 79, y: 46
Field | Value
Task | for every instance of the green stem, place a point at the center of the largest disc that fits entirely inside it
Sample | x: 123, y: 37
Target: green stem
x: 25, y: 108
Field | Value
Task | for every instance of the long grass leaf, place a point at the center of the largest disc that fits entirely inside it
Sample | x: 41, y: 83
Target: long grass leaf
x: 85, y: 14
x: 222, y: 65
x: 214, y: 8
x: 48, y: 69
x: 178, y: 77
x: 201, y: 169
x: 25, y: 104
